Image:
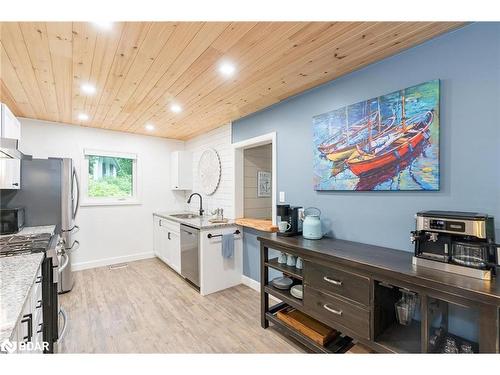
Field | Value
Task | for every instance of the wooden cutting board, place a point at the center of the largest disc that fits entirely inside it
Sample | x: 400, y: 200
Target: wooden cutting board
x: 259, y: 224
x: 316, y: 331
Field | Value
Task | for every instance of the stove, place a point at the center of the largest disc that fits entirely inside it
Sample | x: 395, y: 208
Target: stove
x: 50, y: 245
x: 24, y: 244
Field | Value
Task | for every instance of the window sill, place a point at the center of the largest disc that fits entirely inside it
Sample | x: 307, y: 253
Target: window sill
x: 129, y: 202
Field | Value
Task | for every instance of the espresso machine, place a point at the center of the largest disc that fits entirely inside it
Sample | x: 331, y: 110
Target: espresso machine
x: 457, y: 242
x: 291, y: 215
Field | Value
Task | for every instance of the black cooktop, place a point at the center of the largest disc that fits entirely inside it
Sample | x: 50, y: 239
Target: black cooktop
x: 24, y: 244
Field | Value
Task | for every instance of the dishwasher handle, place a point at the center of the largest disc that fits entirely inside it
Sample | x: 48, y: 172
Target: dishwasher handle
x: 188, y: 230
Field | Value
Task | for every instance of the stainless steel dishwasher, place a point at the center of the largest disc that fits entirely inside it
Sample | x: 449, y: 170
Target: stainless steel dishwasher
x: 190, y: 254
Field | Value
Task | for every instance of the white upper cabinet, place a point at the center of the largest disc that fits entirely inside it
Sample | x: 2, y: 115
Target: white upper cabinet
x: 181, y: 170
x: 11, y: 127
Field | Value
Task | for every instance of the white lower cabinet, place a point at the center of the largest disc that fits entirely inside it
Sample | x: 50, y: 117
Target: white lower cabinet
x: 216, y: 272
x: 174, y: 246
x: 166, y: 242
x: 28, y: 332
x: 156, y: 236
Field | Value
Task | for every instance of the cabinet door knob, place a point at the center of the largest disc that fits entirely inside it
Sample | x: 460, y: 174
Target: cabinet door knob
x: 15, y: 184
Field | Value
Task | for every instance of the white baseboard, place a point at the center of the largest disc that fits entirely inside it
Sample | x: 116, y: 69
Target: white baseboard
x: 251, y: 283
x: 255, y: 285
x: 109, y: 261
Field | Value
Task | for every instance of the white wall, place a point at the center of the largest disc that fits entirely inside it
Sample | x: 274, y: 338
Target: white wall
x: 220, y: 140
x: 111, y: 234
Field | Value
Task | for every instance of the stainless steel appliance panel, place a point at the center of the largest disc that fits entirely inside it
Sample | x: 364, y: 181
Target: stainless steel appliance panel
x: 70, y: 194
x: 50, y: 195
x: 190, y: 254
x: 40, y: 193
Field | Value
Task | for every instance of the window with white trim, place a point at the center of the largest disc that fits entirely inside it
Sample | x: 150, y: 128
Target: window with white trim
x: 109, y: 178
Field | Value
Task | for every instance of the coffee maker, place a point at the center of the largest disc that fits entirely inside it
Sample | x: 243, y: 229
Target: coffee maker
x: 291, y: 215
x: 457, y: 242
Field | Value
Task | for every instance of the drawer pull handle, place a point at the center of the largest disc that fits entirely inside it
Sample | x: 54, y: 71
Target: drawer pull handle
x: 332, y: 281
x: 39, y: 304
x: 336, y: 312
x: 38, y: 279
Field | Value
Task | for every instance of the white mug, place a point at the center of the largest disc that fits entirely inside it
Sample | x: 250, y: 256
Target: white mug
x: 282, y: 258
x: 299, y: 263
x: 290, y: 260
x: 284, y: 226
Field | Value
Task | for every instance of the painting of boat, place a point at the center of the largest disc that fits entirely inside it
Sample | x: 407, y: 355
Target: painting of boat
x: 348, y: 147
x: 386, y: 143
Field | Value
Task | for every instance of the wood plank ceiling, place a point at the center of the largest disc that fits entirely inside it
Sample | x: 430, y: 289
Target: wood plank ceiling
x: 140, y: 68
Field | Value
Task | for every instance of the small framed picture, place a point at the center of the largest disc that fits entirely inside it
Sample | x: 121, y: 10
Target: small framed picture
x: 263, y: 184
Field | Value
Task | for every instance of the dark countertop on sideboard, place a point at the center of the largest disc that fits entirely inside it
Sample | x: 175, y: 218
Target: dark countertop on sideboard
x: 386, y: 261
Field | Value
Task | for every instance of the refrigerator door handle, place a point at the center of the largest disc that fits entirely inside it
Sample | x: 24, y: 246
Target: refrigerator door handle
x: 66, y: 262
x: 72, y: 229
x: 77, y: 206
x: 62, y: 312
x: 77, y: 243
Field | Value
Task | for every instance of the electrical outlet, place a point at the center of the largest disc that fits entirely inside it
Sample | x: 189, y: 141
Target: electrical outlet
x: 282, y: 197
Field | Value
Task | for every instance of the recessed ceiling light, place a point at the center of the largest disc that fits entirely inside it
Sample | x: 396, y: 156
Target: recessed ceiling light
x: 83, y: 117
x: 227, y: 69
x: 150, y: 127
x: 87, y: 88
x: 103, y: 25
x: 176, y: 108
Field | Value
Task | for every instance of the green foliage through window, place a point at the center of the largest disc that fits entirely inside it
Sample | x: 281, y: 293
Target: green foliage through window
x: 110, y: 177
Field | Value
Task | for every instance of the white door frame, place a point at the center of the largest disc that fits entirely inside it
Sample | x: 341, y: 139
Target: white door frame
x: 239, y: 183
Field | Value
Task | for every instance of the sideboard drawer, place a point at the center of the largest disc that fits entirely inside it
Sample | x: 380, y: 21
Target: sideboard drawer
x: 334, y: 311
x: 343, y: 283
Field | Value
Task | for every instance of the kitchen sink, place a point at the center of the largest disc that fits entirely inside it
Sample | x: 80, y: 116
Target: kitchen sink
x: 185, y: 216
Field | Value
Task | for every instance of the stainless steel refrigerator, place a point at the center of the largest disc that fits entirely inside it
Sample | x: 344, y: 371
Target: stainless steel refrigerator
x: 50, y: 194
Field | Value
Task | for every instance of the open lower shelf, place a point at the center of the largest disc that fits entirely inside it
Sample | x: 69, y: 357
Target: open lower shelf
x: 291, y: 271
x: 460, y: 340
x: 284, y: 295
x: 338, y: 345
x: 401, y: 339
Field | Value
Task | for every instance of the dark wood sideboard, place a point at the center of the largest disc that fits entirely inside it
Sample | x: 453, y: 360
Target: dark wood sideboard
x: 352, y: 287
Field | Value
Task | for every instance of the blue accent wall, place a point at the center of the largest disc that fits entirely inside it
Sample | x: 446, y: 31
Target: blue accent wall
x: 467, y: 61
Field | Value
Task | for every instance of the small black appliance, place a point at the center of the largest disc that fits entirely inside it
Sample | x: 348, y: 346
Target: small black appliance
x: 289, y: 214
x: 11, y: 220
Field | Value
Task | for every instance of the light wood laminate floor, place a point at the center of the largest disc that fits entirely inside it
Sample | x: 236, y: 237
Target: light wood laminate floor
x: 147, y: 308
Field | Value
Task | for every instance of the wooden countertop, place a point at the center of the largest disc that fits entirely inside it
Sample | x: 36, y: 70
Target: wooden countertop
x: 387, y: 262
x: 259, y: 224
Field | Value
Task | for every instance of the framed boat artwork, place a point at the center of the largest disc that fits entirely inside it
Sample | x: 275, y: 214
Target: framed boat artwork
x: 390, y: 142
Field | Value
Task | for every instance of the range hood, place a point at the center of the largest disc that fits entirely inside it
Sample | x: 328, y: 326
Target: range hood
x: 9, y: 150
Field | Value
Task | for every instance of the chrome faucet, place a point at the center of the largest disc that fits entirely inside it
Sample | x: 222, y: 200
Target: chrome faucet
x: 201, y: 202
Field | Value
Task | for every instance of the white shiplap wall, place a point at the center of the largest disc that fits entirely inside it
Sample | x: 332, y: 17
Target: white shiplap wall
x: 220, y: 140
x: 256, y: 159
